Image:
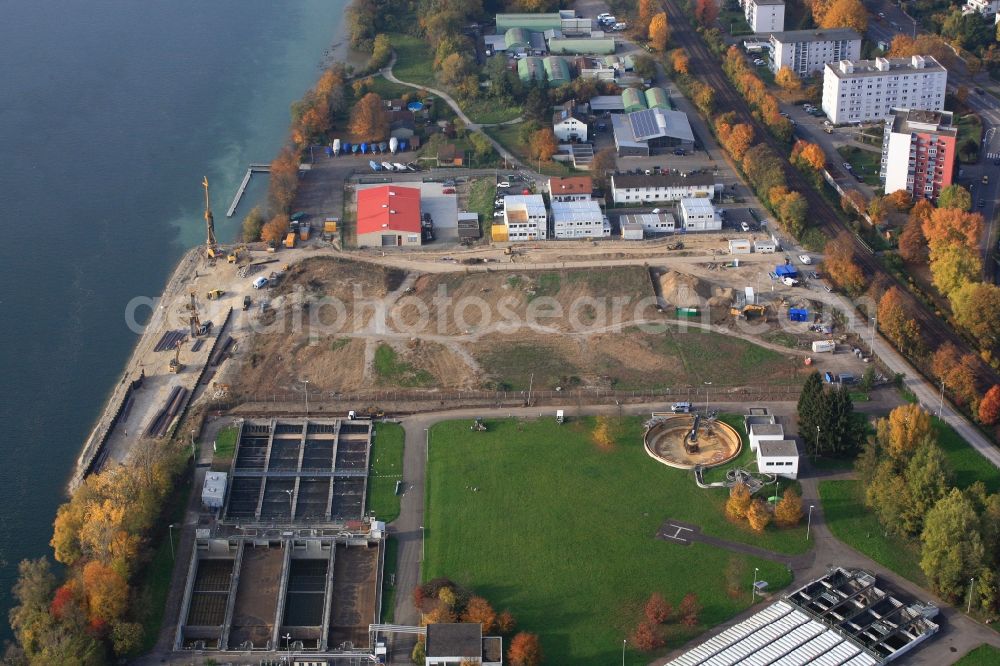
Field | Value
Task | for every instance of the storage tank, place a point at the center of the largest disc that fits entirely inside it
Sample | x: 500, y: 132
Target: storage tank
x: 393, y: 145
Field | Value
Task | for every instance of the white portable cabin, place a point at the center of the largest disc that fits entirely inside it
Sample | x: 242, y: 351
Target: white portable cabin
x: 739, y: 246
x: 778, y: 456
x: 213, y: 493
x: 765, y: 247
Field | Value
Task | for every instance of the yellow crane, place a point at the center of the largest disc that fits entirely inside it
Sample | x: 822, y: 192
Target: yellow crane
x: 175, y: 363
x: 211, y: 245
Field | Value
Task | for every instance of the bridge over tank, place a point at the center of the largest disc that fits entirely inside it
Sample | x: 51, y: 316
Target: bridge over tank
x: 717, y: 442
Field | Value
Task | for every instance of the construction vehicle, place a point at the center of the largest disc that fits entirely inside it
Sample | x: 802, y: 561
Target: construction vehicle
x: 238, y: 254
x: 215, y: 294
x: 676, y: 246
x: 478, y: 426
x: 290, y: 240
x: 193, y: 321
x: 211, y: 245
x: 366, y: 413
x: 175, y: 364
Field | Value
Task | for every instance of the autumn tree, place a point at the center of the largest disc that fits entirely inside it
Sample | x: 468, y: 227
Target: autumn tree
x: 381, y: 52
x: 841, y: 266
x: 659, y: 32
x: 689, y: 610
x: 106, y: 591
x: 989, y: 406
x: 912, y: 242
x: 543, y: 144
x: 900, y: 200
x: 657, y: 609
x: 478, y: 610
x: 976, y: 306
x: 788, y: 511
x: 758, y: 516
x: 605, y: 161
x: 808, y: 155
x: 957, y: 371
x: 706, y: 11
x: 525, y: 650
x: 951, y: 226
x: 646, y: 10
x: 952, y: 550
x: 703, y: 97
x: 844, y: 14
x: 788, y: 79
x: 735, y: 138
x: 369, y: 120
x: 791, y: 209
x: 953, y: 266
x: 853, y: 202
x: 904, y: 46
x: 506, y: 622
x: 928, y: 477
x: 955, y: 196
x: 896, y: 323
x: 679, y: 61
x: 252, y: 225
x: 283, y: 181
x: 275, y: 229
x: 647, y: 637
x: 738, y: 503
x: 907, y: 425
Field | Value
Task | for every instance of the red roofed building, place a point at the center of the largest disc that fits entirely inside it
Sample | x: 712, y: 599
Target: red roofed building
x: 389, y: 216
x: 573, y: 188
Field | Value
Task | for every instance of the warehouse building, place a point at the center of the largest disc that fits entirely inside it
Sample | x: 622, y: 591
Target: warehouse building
x: 579, y: 219
x: 581, y: 45
x: 648, y: 132
x: 530, y: 69
x: 698, y: 214
x: 809, y: 51
x: 918, y: 152
x: 865, y: 90
x: 556, y: 69
x: 639, y: 188
x: 388, y: 216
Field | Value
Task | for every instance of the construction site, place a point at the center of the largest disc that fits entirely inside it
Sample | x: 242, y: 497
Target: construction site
x: 291, y: 563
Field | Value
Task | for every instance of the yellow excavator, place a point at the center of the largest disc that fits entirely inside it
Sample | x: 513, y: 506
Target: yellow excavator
x: 175, y: 365
x: 215, y: 294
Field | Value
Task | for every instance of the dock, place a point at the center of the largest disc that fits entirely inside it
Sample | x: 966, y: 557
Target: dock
x: 251, y: 170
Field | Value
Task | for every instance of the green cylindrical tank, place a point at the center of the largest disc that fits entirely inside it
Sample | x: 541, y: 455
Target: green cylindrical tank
x: 633, y: 100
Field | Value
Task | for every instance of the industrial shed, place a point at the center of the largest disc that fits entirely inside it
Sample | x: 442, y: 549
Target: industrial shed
x: 556, y: 69
x: 529, y: 69
x: 517, y: 38
x: 581, y: 45
x: 656, y: 98
x: 633, y: 100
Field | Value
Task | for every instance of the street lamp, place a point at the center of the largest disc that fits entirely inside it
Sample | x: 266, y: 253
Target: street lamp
x: 288, y: 645
x: 941, y: 399
x: 305, y: 382
x: 753, y: 589
x: 623, y: 652
x: 809, y: 521
x: 972, y: 582
x: 290, y: 493
x: 171, y: 529
x: 423, y: 543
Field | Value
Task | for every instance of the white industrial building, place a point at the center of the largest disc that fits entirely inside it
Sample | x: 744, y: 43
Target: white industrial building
x: 524, y: 217
x: 662, y: 222
x: 579, y: 219
x: 866, y: 90
x: 759, y: 432
x: 698, y: 214
x: 765, y: 15
x: 639, y: 188
x: 809, y: 51
x: 643, y: 133
x: 739, y: 246
x: 844, y: 618
x: 213, y: 492
x: 778, y: 456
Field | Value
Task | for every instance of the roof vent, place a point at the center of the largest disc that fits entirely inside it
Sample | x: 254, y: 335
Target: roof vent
x: 392, y: 212
x: 392, y: 193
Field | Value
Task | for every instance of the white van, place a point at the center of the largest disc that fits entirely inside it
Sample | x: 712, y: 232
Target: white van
x: 680, y: 407
x: 260, y: 283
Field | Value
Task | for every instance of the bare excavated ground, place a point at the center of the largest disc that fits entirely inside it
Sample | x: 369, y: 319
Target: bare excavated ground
x: 354, y: 327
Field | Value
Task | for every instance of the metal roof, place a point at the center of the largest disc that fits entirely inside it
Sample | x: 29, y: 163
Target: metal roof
x: 784, y: 448
x: 556, y: 68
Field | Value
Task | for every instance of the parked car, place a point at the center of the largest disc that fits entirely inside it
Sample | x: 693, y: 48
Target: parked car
x: 260, y: 282
x: 847, y: 165
x: 503, y: 183
x: 805, y: 259
x: 744, y: 226
x: 448, y: 190
x: 680, y: 152
x: 981, y: 204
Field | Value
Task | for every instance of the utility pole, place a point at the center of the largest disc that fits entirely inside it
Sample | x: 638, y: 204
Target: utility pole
x: 305, y: 382
x: 972, y: 582
x: 809, y: 521
x: 531, y: 382
x: 171, y: 529
x: 941, y: 400
x: 753, y: 590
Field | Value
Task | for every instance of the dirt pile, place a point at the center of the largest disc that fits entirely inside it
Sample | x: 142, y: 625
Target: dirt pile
x: 687, y: 291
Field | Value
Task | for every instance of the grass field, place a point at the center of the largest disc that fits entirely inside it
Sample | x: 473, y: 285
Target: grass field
x: 488, y: 112
x: 969, y: 465
x: 482, y: 194
x: 393, y: 371
x: 509, y: 136
x: 388, y: 571
x: 386, y: 470
x: 984, y: 655
x: 225, y: 448
x: 852, y: 522
x: 535, y: 518
x: 414, y: 59
x: 970, y: 128
x: 386, y: 89
x: 865, y: 162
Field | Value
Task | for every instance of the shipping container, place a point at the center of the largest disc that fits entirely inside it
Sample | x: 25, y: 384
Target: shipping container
x: 798, y: 314
x: 686, y: 312
x: 819, y: 346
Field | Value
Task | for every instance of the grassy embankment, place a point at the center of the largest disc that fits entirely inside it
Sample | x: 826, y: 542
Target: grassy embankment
x: 386, y: 470
x: 533, y: 516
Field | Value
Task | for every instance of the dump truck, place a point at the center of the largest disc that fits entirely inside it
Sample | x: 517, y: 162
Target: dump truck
x: 290, y: 239
x: 214, y: 295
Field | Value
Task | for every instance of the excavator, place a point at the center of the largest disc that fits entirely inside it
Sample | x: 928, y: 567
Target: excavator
x: 175, y: 365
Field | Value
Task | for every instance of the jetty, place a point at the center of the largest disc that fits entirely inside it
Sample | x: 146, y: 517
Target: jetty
x: 251, y: 170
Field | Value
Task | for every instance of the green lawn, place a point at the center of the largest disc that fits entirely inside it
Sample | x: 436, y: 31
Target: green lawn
x: 984, y: 655
x: 969, y: 465
x: 534, y: 517
x: 386, y: 470
x: 486, y: 111
x: 393, y: 371
x: 414, y: 59
x: 852, y: 522
x: 388, y: 574
x: 225, y: 447
x: 509, y: 136
x: 865, y: 162
x: 482, y: 194
x: 970, y: 127
x: 386, y: 89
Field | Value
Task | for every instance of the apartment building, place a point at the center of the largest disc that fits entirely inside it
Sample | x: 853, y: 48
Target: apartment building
x: 809, y: 51
x: 987, y: 8
x: 639, y: 188
x: 918, y: 152
x: 765, y: 15
x: 866, y: 90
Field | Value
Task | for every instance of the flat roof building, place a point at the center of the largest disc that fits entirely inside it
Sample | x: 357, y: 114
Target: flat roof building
x: 388, y: 216
x: 643, y: 133
x: 808, y: 51
x: 639, y: 188
x: 579, y: 219
x: 698, y: 214
x: 461, y: 643
x: 651, y: 223
x: 864, y: 90
x: 524, y: 219
x: 765, y: 15
x: 778, y: 456
x: 918, y: 152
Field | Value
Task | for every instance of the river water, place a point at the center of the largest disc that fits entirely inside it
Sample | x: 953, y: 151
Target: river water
x: 111, y: 111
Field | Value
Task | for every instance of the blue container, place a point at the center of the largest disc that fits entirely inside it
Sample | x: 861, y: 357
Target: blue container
x: 415, y: 106
x: 364, y: 147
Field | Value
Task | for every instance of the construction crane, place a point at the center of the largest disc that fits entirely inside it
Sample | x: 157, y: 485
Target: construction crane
x: 193, y: 319
x: 175, y: 363
x: 211, y: 245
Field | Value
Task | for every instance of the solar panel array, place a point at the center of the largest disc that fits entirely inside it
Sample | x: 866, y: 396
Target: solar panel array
x: 779, y: 634
x: 644, y: 124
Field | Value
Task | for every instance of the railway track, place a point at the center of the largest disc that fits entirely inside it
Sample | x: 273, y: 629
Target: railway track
x: 706, y: 68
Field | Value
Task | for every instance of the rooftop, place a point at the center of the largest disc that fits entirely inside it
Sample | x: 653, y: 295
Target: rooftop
x: 879, y: 66
x: 389, y: 207
x: 584, y: 211
x: 768, y: 2
x: 759, y: 429
x: 831, y: 35
x: 620, y: 180
x: 778, y: 447
x: 455, y: 640
x: 702, y: 205
x: 571, y: 185
x: 907, y: 121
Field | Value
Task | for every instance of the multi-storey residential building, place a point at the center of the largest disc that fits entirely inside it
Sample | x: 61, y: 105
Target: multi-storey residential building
x: 865, y: 90
x: 918, y: 152
x: 524, y: 219
x: 698, y: 214
x: 808, y: 51
x: 579, y: 219
x: 765, y: 15
x: 638, y: 188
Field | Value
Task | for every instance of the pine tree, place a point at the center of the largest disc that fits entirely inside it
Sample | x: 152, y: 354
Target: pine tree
x: 808, y: 408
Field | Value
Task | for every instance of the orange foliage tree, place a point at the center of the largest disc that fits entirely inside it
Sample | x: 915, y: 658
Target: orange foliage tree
x: 788, y: 512
x: 989, y: 406
x: 758, y: 516
x: 808, y: 155
x: 543, y: 144
x: 736, y: 139
x: 908, y: 426
x: 788, y: 79
x: 689, y: 610
x: 657, y: 609
x: 275, y: 229
x: 896, y: 323
x: 525, y: 650
x: 953, y: 266
x: 904, y: 46
x: 739, y: 502
x: 706, y: 11
x: 841, y: 266
x: 659, y: 32
x: 957, y: 371
x: 679, y: 61
x: 844, y: 14
x: 647, y: 637
x: 646, y: 11
x: 106, y: 592
x: 283, y: 181
x: 480, y: 611
x: 947, y: 226
x: 369, y: 121
x: 976, y: 306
